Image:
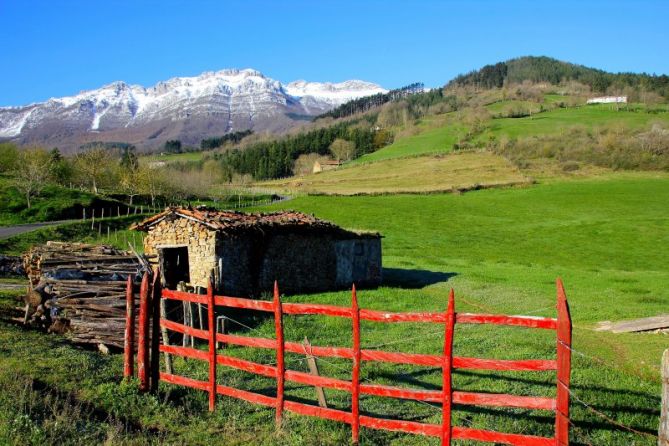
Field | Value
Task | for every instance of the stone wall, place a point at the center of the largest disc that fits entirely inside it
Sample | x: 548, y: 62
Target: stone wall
x: 200, y: 240
x: 235, y: 253
x: 305, y: 261
x: 359, y: 262
x: 300, y: 262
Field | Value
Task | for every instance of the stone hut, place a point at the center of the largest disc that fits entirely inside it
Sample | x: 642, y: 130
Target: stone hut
x: 322, y: 166
x: 245, y: 253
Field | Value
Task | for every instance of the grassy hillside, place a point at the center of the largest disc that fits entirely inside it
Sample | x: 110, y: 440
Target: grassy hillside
x: 589, y: 117
x: 501, y: 251
x: 53, y: 203
x: 439, y: 173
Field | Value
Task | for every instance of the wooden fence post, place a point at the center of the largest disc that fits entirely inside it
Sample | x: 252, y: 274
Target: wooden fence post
x: 563, y: 367
x: 663, y: 431
x: 155, y: 330
x: 143, y: 338
x: 447, y: 368
x: 280, y: 365
x: 211, y: 313
x: 129, y: 344
x: 355, y: 374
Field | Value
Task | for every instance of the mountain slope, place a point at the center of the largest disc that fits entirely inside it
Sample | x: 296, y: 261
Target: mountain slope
x: 185, y: 108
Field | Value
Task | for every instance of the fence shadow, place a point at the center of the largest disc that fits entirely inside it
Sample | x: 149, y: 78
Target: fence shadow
x: 413, y: 278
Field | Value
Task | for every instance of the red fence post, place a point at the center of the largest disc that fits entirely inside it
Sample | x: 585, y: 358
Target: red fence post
x: 447, y: 387
x: 280, y: 365
x: 211, y: 313
x: 156, y: 291
x: 143, y: 338
x: 563, y: 367
x: 129, y: 344
x: 355, y: 375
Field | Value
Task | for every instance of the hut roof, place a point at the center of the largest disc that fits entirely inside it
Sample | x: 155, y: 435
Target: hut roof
x: 229, y: 221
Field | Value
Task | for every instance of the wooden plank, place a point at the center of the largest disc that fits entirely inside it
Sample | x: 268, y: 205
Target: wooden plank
x: 248, y: 304
x: 636, y: 325
x: 466, y: 433
x: 186, y: 352
x: 211, y: 316
x: 563, y: 367
x: 318, y: 309
x: 497, y: 319
x: 386, y: 316
x: 184, y: 296
x: 504, y: 400
x: 250, y: 397
x: 155, y: 331
x: 410, y: 427
x: 320, y: 412
x: 526, y: 365
x: 446, y: 371
x: 183, y: 381
x: 247, y: 366
x: 313, y: 369
x: 280, y: 365
x: 129, y: 338
x: 355, y: 374
x: 165, y: 336
x: 663, y: 430
x: 143, y: 337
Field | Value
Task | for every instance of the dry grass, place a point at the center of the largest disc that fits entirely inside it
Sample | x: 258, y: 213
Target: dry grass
x: 425, y: 174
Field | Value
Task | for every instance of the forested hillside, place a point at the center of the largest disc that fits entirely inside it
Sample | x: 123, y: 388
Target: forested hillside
x: 546, y: 69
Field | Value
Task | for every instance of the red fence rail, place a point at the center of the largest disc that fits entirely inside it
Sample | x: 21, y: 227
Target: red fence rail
x: 446, y: 361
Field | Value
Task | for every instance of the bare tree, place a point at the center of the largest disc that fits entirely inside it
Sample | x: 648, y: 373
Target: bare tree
x: 33, y: 171
x: 342, y: 149
x: 95, y: 166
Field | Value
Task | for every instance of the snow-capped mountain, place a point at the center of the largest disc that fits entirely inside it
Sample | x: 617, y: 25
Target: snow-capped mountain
x: 185, y: 108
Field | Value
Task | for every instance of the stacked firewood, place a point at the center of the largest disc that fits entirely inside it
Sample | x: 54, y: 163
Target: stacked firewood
x: 80, y: 290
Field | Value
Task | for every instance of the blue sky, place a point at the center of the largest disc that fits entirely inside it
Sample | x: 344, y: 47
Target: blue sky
x: 57, y: 48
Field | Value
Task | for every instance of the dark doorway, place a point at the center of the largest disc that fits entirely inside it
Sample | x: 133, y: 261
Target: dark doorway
x: 174, y: 266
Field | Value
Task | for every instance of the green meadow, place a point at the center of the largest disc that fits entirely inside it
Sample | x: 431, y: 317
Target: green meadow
x: 500, y: 250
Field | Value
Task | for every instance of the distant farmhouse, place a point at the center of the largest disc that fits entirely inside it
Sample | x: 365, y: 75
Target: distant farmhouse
x: 245, y: 253
x: 322, y: 166
x: 608, y: 100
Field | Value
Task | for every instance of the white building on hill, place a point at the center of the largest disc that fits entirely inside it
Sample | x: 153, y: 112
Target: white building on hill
x: 608, y: 100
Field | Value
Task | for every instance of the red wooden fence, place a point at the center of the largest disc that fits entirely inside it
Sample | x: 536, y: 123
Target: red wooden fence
x: 447, y: 396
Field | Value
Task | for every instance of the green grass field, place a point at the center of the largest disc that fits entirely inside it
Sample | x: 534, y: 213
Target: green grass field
x: 172, y: 157
x: 590, y: 116
x: 501, y: 251
x: 429, y: 140
x: 421, y: 174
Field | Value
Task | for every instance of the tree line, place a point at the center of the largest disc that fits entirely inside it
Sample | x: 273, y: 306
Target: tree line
x: 363, y: 104
x: 276, y: 158
x: 546, y: 69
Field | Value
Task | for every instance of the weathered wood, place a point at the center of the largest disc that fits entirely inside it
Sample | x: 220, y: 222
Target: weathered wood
x: 280, y: 365
x: 155, y: 331
x: 663, y: 430
x: 313, y: 369
x: 211, y: 313
x: 80, y: 284
x: 143, y: 339
x: 166, y: 338
x: 446, y: 370
x: 636, y: 325
x: 129, y: 344
x: 563, y: 368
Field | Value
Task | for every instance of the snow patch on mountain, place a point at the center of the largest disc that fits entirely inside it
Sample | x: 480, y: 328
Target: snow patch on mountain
x: 240, y: 98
